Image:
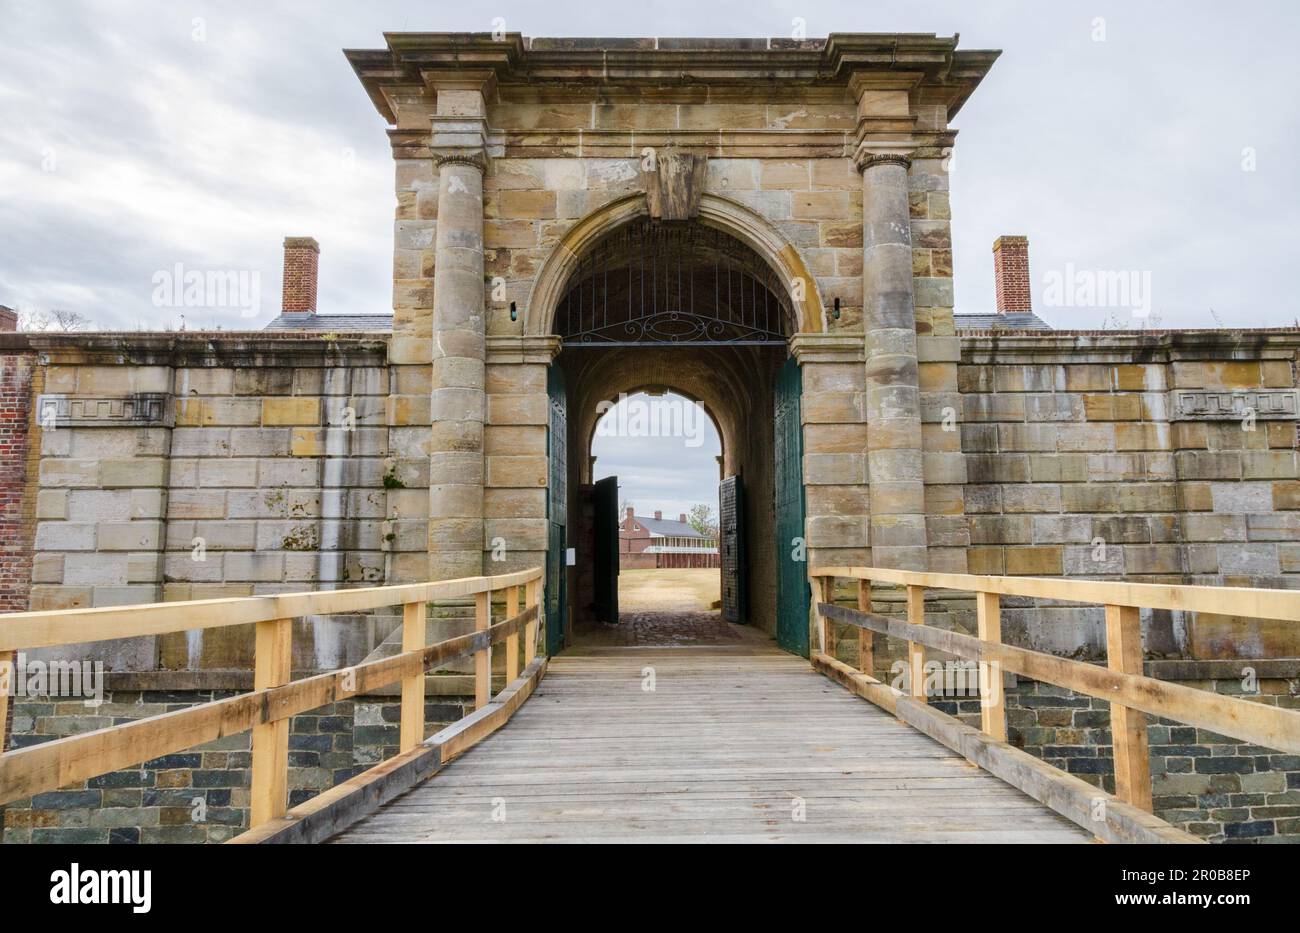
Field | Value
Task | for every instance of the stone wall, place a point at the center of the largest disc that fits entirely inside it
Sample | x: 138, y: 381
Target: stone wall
x: 200, y: 795
x: 1162, y: 458
x: 194, y: 468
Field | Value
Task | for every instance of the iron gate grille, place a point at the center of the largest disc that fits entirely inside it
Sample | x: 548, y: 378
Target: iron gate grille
x: 655, y: 282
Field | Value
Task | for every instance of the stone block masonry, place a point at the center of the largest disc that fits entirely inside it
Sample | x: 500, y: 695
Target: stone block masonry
x: 199, y: 795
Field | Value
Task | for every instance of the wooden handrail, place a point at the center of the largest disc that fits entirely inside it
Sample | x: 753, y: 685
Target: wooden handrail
x: 1220, y: 600
x: 19, y: 630
x: 275, y: 698
x: 1132, y: 695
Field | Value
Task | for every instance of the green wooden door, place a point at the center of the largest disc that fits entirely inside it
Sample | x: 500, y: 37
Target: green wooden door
x: 605, y: 558
x: 793, y: 597
x: 557, y: 511
x: 731, y: 542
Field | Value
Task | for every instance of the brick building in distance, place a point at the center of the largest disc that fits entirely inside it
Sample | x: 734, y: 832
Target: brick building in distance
x: 654, y: 543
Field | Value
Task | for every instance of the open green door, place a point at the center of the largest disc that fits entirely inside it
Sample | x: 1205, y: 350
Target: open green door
x: 793, y: 596
x: 557, y: 511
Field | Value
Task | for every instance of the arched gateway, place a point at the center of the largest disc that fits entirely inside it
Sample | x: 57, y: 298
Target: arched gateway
x: 576, y: 221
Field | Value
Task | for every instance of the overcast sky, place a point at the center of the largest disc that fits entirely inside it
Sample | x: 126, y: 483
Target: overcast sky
x: 138, y: 135
x: 1145, y: 137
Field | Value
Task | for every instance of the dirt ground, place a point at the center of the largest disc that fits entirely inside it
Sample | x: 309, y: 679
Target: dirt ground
x: 669, y: 590
x: 669, y: 609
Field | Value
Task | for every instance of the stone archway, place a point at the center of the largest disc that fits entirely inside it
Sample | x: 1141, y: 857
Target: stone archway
x: 734, y: 375
x: 718, y: 212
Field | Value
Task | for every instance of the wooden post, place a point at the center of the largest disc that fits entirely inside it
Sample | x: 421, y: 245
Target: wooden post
x: 482, y: 659
x: 866, y: 637
x: 413, y: 627
x: 915, y: 650
x: 271, y: 668
x: 7, y: 688
x: 832, y: 632
x: 1128, y: 727
x: 823, y: 625
x: 993, y: 716
x: 513, y: 642
x: 531, y: 589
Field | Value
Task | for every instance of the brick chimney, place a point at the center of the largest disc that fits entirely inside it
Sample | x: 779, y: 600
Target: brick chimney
x: 8, y: 319
x: 682, y: 518
x: 659, y: 516
x: 301, y: 254
x: 1011, y: 274
x: 628, y: 513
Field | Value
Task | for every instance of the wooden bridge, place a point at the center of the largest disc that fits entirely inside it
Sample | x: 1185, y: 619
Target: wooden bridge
x: 744, y: 743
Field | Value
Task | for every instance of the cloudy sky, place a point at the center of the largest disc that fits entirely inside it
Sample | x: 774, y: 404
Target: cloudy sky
x: 136, y: 137
x: 663, y: 450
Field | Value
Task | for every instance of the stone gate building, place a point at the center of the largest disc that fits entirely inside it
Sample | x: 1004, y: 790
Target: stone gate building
x: 762, y: 225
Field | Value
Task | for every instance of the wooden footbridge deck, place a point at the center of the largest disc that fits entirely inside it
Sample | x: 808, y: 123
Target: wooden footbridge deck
x: 682, y: 745
x: 730, y: 745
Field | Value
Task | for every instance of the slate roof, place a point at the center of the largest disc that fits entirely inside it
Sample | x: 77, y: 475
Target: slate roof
x: 333, y: 323
x: 1019, y: 320
x: 667, y: 528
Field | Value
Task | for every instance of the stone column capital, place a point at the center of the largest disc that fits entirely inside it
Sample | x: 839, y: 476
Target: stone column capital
x: 871, y: 155
x: 460, y: 140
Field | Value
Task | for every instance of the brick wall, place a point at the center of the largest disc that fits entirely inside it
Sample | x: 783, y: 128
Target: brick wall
x: 16, y: 516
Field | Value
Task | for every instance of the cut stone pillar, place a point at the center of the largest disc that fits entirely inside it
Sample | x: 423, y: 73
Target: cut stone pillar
x: 893, y: 398
x: 457, y: 387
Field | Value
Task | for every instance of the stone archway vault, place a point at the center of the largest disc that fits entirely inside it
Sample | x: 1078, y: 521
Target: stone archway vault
x: 715, y: 211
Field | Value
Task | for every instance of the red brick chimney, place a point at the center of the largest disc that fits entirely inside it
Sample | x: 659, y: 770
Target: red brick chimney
x: 301, y: 254
x: 8, y: 319
x: 682, y: 518
x: 628, y: 512
x: 658, y: 515
x: 1011, y: 274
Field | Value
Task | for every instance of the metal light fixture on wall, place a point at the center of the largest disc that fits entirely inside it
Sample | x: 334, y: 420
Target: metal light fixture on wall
x: 836, y: 312
x: 514, y: 315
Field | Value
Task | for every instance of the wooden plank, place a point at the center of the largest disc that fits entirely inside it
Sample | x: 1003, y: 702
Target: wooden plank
x: 993, y: 714
x: 414, y: 623
x: 273, y: 654
x: 1219, y: 600
x: 74, y: 758
x: 1256, y: 723
x: 1090, y: 807
x: 512, y: 643
x: 1128, y: 727
x: 482, y: 657
x: 866, y: 637
x: 783, y: 759
x: 21, y: 630
x: 916, y: 649
x: 345, y: 804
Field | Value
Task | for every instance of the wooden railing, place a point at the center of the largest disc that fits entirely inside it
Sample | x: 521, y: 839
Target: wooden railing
x: 274, y: 698
x: 1132, y: 695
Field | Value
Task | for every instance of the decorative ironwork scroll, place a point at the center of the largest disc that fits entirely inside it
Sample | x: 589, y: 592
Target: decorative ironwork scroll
x: 652, y: 282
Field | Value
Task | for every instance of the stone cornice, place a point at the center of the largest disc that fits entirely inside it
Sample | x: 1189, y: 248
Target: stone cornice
x: 414, y: 60
x: 1126, y: 346
x: 201, y: 349
x: 523, y: 349
x: 828, y: 348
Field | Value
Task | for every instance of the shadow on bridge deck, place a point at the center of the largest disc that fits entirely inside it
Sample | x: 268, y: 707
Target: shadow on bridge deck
x: 726, y: 743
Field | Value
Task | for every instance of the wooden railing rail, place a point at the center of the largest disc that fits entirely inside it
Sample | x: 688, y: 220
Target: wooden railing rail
x: 275, y: 698
x: 1132, y: 695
